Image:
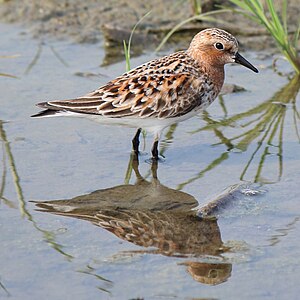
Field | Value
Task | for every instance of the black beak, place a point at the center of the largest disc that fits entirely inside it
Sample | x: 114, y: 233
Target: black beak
x: 242, y: 61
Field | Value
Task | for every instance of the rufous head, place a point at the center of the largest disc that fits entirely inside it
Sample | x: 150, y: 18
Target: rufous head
x: 214, y: 47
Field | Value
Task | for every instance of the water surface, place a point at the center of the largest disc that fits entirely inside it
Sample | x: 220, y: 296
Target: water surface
x: 122, y: 230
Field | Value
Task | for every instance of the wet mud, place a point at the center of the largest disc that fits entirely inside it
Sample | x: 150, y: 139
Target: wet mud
x: 90, y: 21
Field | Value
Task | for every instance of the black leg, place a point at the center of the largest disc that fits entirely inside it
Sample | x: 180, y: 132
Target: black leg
x: 136, y: 141
x: 155, y: 151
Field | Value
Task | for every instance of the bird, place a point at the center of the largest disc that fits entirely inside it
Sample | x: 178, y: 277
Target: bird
x: 161, y: 92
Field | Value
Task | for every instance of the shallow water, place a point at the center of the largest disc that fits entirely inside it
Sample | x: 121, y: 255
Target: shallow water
x: 251, y: 251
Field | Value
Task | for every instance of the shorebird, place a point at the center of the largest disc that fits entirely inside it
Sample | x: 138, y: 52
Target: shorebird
x: 160, y: 92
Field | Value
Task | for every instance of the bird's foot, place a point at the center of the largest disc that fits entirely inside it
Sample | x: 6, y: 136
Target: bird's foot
x: 153, y: 160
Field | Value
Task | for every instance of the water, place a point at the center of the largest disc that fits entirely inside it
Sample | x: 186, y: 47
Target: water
x: 75, y: 249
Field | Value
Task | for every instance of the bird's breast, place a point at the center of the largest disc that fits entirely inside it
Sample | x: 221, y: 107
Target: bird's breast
x: 206, y: 92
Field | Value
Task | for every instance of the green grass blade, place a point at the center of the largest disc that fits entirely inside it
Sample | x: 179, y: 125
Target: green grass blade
x: 284, y: 16
x: 127, y: 56
x: 202, y: 17
x: 128, y: 46
x: 296, y: 36
x: 276, y: 25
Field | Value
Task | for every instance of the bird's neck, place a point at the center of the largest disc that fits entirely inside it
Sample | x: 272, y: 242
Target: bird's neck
x: 216, y: 74
x: 210, y: 66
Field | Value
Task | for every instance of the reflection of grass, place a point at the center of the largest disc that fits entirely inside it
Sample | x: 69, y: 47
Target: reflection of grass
x: 263, y: 124
x: 91, y: 271
x: 168, y: 139
x: 4, y: 289
x: 8, y: 75
x: 275, y: 24
x: 129, y: 169
x: 208, y: 168
x: 283, y: 232
x: 7, y: 151
x: 38, y: 55
x: 5, y: 74
x: 48, y: 235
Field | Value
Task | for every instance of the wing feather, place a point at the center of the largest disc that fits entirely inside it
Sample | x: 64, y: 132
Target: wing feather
x: 151, y: 90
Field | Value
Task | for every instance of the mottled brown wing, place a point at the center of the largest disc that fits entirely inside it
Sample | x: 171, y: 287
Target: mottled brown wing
x: 143, y: 95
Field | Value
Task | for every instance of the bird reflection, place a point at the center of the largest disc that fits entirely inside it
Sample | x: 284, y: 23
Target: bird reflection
x: 158, y: 218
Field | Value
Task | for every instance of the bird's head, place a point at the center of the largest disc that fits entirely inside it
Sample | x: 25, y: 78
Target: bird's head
x: 214, y: 47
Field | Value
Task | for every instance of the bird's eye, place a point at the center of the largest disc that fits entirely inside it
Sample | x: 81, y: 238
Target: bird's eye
x: 219, y: 46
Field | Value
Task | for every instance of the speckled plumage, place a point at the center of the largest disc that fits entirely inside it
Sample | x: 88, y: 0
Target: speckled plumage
x: 163, y: 88
x: 163, y: 91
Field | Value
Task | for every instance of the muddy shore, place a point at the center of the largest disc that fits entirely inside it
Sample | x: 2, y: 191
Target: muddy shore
x: 91, y: 20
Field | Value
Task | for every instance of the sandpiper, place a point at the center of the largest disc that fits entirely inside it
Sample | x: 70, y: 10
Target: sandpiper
x: 160, y: 92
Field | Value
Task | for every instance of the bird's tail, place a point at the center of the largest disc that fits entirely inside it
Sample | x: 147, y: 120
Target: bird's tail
x: 50, y: 111
x: 47, y: 113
